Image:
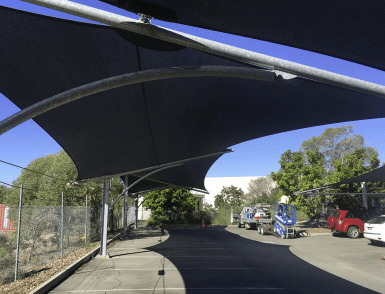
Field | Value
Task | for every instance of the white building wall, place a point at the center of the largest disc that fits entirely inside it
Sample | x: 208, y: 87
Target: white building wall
x: 214, y: 185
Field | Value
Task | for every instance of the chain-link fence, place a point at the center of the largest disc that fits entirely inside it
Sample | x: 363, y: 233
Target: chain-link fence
x: 48, y: 233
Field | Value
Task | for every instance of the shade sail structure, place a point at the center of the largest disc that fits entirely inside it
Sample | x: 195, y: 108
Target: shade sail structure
x: 149, y: 124
x: 372, y: 176
x: 353, y: 30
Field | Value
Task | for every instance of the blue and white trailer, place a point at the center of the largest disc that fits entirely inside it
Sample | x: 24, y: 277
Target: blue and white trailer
x: 257, y: 217
x: 285, y: 219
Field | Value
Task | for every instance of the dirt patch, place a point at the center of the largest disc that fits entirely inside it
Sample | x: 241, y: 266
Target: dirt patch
x: 312, y: 227
x: 40, y: 275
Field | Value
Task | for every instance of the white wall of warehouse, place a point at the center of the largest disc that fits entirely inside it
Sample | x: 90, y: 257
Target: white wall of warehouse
x: 214, y: 185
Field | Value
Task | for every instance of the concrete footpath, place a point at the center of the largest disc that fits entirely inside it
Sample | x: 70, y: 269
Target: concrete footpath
x: 131, y: 268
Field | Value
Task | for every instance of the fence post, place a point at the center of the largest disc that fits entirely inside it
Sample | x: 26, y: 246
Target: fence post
x: 136, y: 212
x: 62, y: 224
x: 125, y: 208
x: 18, y: 232
x: 85, y: 223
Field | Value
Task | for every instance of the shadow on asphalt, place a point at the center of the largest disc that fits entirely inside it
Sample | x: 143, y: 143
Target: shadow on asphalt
x: 218, y: 261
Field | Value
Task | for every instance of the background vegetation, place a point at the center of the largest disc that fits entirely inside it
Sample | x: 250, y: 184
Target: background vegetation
x: 337, y: 154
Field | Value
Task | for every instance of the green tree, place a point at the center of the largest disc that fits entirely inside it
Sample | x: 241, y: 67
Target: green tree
x: 3, y: 193
x: 259, y: 187
x: 289, y: 175
x: 171, y: 205
x: 274, y: 195
x: 301, y: 172
x: 229, y: 196
x: 335, y: 155
x: 350, y: 166
x: 335, y: 143
x: 53, y: 174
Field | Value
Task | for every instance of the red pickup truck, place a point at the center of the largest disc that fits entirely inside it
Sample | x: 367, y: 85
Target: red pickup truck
x: 344, y: 221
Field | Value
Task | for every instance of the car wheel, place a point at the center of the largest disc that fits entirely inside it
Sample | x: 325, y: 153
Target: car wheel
x: 239, y: 225
x: 247, y: 226
x: 262, y: 231
x: 259, y: 229
x: 353, y: 232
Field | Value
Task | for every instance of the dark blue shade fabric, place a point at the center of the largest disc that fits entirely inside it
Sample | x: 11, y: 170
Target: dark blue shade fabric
x: 353, y: 30
x: 372, y: 176
x: 145, y: 125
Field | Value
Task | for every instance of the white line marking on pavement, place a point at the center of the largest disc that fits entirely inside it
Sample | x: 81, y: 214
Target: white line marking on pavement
x: 184, y: 268
x: 169, y: 289
x: 170, y: 248
x: 161, y: 256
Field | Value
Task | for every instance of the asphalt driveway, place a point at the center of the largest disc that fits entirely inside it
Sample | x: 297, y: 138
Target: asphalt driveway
x: 230, y: 260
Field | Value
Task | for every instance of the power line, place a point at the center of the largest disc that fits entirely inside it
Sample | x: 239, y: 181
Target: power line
x: 17, y: 186
x: 2, y: 161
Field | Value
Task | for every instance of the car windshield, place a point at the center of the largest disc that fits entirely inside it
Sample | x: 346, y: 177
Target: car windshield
x: 335, y: 214
x: 377, y: 221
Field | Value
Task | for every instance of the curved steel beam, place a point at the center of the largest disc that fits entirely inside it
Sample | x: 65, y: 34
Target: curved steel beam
x: 212, y: 47
x: 139, y: 180
x: 129, y: 79
x: 156, y: 167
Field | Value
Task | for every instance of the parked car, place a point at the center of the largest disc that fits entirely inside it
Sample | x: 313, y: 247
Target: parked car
x: 351, y: 223
x: 375, y: 230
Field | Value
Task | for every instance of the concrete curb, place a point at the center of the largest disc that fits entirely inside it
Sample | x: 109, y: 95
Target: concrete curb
x: 68, y: 271
x: 320, y: 234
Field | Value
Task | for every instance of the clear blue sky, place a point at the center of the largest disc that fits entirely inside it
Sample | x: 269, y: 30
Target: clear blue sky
x: 253, y: 158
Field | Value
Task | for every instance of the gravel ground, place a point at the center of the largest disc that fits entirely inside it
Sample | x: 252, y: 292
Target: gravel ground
x: 43, y: 274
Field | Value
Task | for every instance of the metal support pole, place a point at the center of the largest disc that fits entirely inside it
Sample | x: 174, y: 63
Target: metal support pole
x: 364, y: 195
x: 136, y: 212
x: 85, y: 222
x: 125, y: 208
x: 141, y: 179
x: 62, y: 225
x: 18, y: 233
x: 103, y: 241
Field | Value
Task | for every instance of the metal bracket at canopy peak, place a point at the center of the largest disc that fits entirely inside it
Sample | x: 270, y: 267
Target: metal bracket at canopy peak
x: 144, y: 18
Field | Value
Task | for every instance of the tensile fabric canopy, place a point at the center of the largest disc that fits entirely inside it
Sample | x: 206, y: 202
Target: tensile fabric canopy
x: 146, y: 125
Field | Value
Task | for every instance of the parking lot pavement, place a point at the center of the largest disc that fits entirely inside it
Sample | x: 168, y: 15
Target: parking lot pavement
x: 355, y: 260
x: 205, y: 261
